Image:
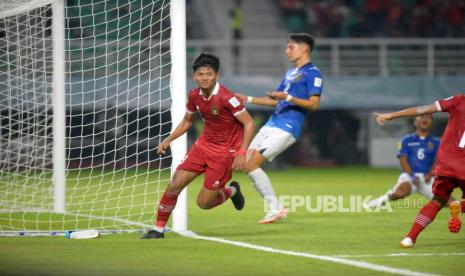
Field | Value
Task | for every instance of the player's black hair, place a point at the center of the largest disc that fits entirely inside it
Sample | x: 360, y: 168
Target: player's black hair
x: 206, y: 60
x: 303, y: 38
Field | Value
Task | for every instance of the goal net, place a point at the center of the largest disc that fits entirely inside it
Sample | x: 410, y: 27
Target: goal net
x: 84, y: 101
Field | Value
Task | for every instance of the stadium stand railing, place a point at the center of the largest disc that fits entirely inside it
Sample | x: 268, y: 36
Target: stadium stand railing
x: 343, y: 56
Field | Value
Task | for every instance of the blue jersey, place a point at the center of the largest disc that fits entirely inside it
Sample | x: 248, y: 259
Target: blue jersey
x: 420, y: 152
x: 301, y: 83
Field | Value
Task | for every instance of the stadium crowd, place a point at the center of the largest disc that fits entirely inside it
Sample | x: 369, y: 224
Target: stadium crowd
x: 379, y: 18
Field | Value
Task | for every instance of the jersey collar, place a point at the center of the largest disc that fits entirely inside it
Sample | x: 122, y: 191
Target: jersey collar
x: 306, y: 65
x: 422, y: 137
x: 215, y: 92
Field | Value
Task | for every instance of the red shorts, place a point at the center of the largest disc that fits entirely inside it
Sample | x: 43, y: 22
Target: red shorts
x: 217, y: 169
x: 444, y: 185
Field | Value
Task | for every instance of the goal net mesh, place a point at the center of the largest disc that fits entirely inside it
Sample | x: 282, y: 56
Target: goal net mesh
x: 117, y: 99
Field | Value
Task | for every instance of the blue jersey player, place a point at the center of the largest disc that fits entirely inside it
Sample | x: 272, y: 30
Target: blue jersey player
x: 298, y: 93
x: 417, y: 154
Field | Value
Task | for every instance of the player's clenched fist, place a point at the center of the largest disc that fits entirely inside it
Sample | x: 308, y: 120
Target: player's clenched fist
x: 239, y: 163
x: 161, y: 149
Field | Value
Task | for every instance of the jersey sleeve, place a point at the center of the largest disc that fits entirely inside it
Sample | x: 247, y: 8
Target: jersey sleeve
x: 402, y: 148
x: 190, y: 105
x: 314, y: 83
x: 450, y: 103
x: 233, y: 104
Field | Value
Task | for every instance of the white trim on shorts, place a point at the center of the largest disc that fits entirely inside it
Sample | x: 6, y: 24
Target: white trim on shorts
x: 271, y: 141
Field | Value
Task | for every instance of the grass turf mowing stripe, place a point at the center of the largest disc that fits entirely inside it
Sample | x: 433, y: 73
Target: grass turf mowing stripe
x: 359, y: 264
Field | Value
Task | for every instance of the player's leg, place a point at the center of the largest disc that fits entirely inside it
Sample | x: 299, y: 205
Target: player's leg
x: 258, y: 177
x: 214, y: 192
x: 403, y: 188
x: 442, y: 189
x: 180, y: 180
x: 426, y: 190
x: 262, y: 184
x: 268, y: 144
x: 208, y: 199
x: 192, y: 165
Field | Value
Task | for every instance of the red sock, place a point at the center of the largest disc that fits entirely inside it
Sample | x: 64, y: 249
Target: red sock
x: 423, y: 218
x: 165, y: 207
x: 223, y: 195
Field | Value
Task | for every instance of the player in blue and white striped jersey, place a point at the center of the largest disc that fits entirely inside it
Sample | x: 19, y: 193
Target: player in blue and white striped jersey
x: 298, y: 93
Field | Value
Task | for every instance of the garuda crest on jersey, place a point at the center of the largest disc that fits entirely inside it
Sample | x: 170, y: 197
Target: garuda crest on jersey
x: 294, y: 76
x: 214, y: 110
x: 430, y: 145
x: 297, y: 77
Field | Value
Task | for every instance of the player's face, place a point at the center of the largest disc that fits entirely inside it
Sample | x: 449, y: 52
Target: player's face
x: 296, y: 51
x: 205, y: 77
x: 424, y: 122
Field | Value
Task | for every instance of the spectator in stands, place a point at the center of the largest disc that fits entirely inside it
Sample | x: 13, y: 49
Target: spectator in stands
x: 455, y: 13
x: 294, y: 15
x: 375, y: 14
x: 396, y: 19
x: 368, y: 18
x: 236, y: 25
x: 236, y: 20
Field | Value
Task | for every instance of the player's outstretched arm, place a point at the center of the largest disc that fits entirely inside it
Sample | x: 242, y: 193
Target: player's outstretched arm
x: 312, y: 103
x: 266, y: 101
x: 182, y: 128
x: 381, y: 118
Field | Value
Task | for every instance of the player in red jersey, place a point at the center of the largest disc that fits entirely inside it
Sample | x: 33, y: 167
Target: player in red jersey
x: 449, y: 170
x: 221, y: 147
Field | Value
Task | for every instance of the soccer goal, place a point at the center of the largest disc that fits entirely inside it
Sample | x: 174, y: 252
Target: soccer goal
x: 88, y: 88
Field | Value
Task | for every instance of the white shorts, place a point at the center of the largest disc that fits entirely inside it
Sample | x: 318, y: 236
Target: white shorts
x: 271, y: 141
x: 424, y: 188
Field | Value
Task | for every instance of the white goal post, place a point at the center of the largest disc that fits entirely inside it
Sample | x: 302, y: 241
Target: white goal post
x: 178, y: 87
x: 88, y: 88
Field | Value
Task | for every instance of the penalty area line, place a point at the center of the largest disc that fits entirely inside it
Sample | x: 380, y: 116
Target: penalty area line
x: 359, y: 264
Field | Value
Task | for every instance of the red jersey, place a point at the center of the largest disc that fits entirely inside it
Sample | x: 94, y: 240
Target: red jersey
x: 451, y: 154
x: 223, y: 133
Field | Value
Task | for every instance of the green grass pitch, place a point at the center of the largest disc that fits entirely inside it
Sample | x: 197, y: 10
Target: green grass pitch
x: 360, y: 236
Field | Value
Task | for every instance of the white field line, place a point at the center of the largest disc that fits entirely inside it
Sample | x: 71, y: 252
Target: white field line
x: 402, y: 255
x: 117, y: 219
x: 359, y: 264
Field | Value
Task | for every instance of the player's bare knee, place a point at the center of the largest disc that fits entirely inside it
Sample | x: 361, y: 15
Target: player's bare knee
x: 254, y: 162
x: 204, y: 204
x: 174, y: 188
x: 249, y: 169
x: 398, y: 195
